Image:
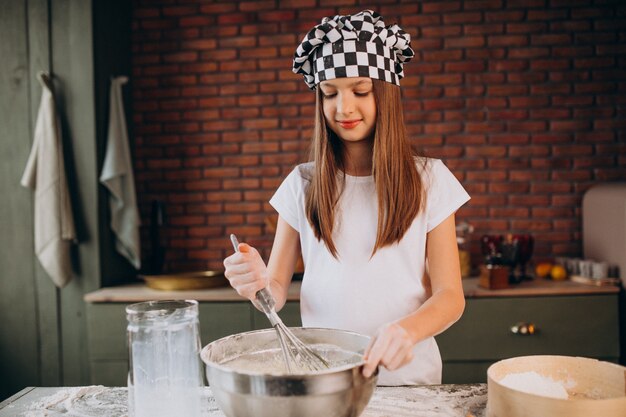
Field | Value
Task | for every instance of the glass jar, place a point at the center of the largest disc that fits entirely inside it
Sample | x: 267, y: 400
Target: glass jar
x: 463, y: 234
x: 164, y: 377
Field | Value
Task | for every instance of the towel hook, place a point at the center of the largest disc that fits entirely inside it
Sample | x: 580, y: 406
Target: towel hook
x: 44, y: 78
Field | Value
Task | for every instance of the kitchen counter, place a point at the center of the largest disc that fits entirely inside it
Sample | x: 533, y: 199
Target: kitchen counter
x: 540, y: 287
x: 432, y: 401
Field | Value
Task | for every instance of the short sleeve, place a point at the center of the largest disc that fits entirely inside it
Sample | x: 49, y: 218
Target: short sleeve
x: 445, y: 194
x: 288, y: 199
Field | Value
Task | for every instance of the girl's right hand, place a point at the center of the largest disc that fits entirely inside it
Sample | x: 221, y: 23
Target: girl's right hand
x: 246, y: 271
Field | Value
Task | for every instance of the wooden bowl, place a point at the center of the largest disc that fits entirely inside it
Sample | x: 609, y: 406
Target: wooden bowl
x: 595, y: 388
x: 186, y: 280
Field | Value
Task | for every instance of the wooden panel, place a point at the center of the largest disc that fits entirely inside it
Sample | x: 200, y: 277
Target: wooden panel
x: 106, y: 333
x: 289, y: 314
x: 47, y: 293
x: 577, y: 325
x: 223, y: 319
x: 18, y: 334
x: 465, y: 372
x: 109, y: 373
x: 72, y: 64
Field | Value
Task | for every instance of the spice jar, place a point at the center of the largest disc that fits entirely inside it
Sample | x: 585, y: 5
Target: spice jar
x: 463, y: 233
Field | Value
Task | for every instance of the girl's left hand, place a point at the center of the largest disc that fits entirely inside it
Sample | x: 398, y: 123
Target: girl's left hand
x: 391, y: 347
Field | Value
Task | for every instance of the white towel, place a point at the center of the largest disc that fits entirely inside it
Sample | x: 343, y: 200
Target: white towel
x: 45, y: 174
x: 117, y: 176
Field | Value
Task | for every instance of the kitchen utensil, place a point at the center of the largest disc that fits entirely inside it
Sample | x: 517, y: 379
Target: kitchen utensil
x: 186, y: 280
x: 164, y: 376
x: 595, y: 388
x: 298, y: 356
x: 340, y: 391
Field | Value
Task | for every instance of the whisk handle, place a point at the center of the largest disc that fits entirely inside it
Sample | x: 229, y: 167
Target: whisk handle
x: 264, y: 300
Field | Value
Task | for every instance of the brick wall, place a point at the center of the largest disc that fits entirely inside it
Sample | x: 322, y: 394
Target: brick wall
x: 523, y: 100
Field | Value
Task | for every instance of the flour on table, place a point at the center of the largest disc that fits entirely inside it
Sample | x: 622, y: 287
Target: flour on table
x: 91, y: 401
x: 533, y: 383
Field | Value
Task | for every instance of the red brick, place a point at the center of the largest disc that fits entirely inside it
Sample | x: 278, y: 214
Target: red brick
x: 572, y: 100
x: 441, y: 31
x: 550, y: 89
x: 465, y: 66
x: 507, y: 40
x: 529, y: 200
x: 442, y: 55
x: 526, y: 77
x: 507, y: 90
x: 531, y: 225
x: 509, y: 212
x: 464, y: 42
x: 595, y: 137
x: 570, y: 125
x: 488, y: 102
x: 443, y: 79
x: 441, y: 6
x: 442, y: 128
x: 218, y: 8
x: 250, y: 6
x: 483, y: 29
x: 200, y: 20
x: 508, y: 114
x: 546, y: 14
x: 529, y: 151
x: 420, y: 20
x: 528, y: 126
x: 442, y: 104
x: 241, y: 136
x: 484, y: 127
x: 486, y: 53
x: 527, y: 28
x: 504, y: 16
x: 464, y: 17
x: 551, y: 113
x: 464, y: 91
x: 549, y: 64
x: 485, y: 78
x: 524, y: 53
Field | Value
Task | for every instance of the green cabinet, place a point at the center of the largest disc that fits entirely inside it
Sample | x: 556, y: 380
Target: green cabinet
x: 106, y: 330
x: 585, y: 325
x: 581, y: 325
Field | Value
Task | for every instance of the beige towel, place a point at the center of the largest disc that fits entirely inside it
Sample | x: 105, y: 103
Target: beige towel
x: 117, y: 176
x: 45, y: 174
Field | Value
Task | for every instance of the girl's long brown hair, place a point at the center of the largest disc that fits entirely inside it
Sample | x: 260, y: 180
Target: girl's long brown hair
x: 398, y: 184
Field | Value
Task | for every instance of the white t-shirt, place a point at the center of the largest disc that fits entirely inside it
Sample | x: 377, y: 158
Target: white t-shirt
x: 358, y: 292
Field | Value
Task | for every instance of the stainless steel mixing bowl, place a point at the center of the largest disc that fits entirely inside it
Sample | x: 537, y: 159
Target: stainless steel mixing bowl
x: 337, y: 392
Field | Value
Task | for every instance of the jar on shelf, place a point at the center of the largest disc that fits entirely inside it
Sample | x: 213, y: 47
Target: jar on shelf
x: 463, y: 233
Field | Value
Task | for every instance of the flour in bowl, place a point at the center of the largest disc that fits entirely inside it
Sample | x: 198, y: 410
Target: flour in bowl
x: 272, y: 362
x: 533, y: 383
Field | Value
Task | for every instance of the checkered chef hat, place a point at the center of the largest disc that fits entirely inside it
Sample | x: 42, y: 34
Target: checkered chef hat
x: 357, y: 45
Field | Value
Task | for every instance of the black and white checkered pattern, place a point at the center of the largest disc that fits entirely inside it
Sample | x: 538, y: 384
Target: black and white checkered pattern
x: 357, y: 45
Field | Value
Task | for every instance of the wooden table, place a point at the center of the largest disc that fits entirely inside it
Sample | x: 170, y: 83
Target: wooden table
x: 431, y: 401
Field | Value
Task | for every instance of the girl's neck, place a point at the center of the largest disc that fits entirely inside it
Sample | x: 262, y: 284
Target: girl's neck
x: 358, y: 159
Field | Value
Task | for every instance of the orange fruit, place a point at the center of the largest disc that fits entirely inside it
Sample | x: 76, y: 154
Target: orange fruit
x: 543, y: 269
x: 558, y: 273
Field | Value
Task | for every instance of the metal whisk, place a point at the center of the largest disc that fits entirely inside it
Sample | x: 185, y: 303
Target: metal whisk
x: 297, y: 355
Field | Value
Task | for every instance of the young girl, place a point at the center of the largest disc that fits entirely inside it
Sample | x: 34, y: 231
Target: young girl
x: 373, y: 222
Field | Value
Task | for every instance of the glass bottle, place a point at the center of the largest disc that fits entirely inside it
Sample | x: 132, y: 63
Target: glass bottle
x: 164, y: 377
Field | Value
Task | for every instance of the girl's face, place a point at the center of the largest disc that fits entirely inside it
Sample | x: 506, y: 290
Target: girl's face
x: 349, y: 107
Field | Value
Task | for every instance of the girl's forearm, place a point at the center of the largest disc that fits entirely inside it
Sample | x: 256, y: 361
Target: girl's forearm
x: 438, y: 313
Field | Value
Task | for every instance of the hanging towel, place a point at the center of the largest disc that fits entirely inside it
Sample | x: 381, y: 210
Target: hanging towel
x: 117, y: 177
x: 45, y: 174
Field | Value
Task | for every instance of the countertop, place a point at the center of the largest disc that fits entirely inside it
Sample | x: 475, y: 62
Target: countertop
x: 97, y: 401
x: 537, y: 287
